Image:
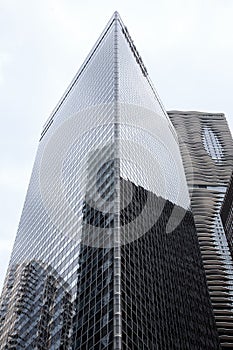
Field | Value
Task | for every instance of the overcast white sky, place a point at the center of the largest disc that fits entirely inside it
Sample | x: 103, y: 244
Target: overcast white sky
x: 186, y: 45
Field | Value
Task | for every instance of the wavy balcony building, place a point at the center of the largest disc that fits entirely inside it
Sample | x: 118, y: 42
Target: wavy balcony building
x: 207, y: 151
x: 107, y: 255
x: 227, y: 215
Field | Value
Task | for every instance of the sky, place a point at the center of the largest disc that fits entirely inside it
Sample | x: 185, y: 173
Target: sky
x: 186, y: 46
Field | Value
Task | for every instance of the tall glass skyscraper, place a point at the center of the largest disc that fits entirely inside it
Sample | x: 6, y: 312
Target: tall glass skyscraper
x: 106, y: 255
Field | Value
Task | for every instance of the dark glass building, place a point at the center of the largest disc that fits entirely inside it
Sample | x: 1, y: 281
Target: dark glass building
x: 107, y: 255
x: 207, y: 151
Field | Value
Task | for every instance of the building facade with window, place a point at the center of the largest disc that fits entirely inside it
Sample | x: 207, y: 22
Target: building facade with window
x: 227, y: 215
x: 107, y: 255
x: 207, y: 151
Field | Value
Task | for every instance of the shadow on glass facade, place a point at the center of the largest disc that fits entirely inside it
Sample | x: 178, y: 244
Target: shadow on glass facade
x: 162, y: 293
x: 106, y: 255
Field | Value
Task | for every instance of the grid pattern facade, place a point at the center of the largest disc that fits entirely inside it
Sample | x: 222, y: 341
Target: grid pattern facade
x: 93, y: 322
x: 162, y: 279
x: 36, y: 312
x: 207, y: 150
x: 163, y: 296
x: 107, y: 202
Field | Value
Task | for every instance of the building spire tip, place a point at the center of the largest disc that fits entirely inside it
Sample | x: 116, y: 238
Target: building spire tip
x: 116, y: 14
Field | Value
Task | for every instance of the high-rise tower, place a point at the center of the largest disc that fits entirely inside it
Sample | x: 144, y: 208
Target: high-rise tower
x: 207, y: 151
x: 106, y: 255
